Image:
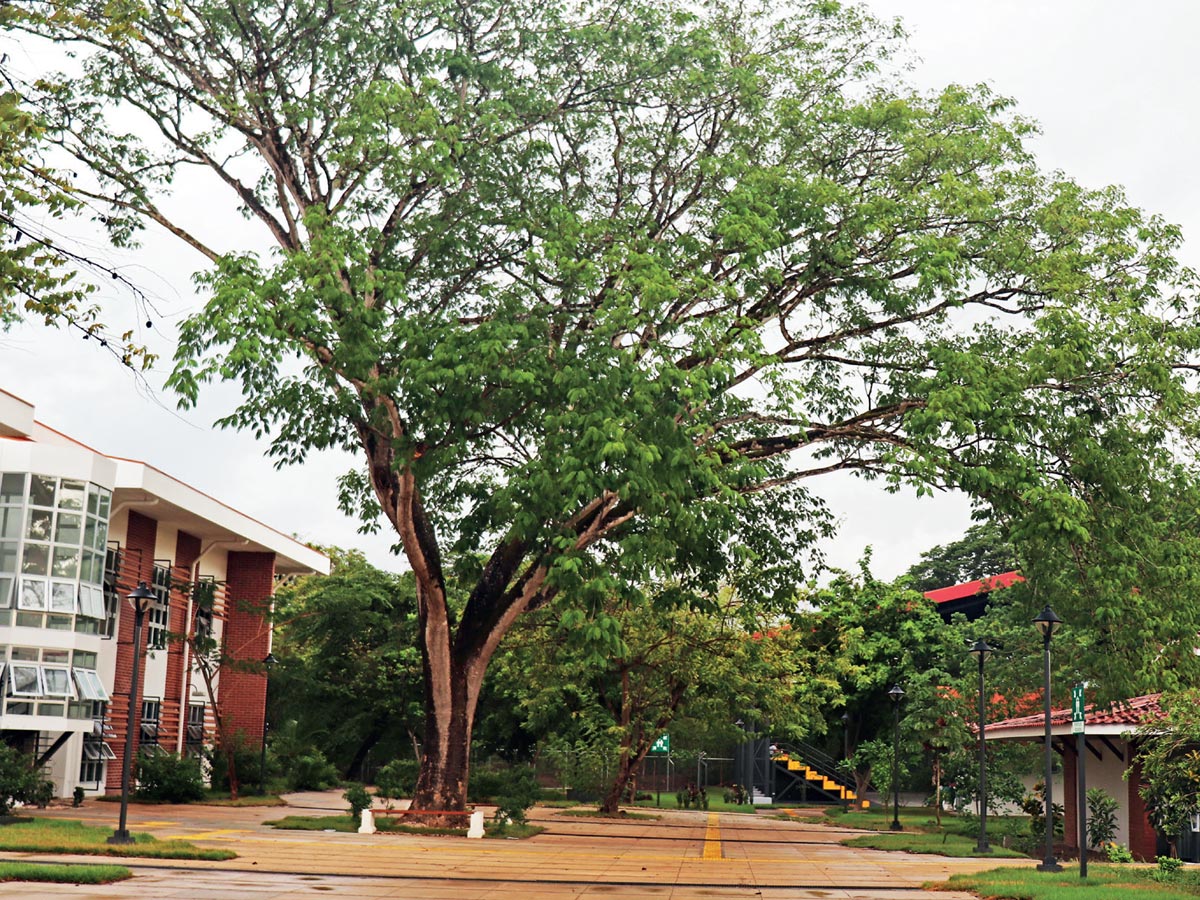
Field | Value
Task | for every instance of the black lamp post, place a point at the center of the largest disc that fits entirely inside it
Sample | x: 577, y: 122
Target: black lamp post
x: 846, y: 736
x: 269, y: 660
x: 1048, y: 623
x: 897, y: 694
x: 981, y: 651
x: 140, y: 598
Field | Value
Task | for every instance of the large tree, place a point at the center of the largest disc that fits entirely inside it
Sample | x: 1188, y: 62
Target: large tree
x: 594, y: 291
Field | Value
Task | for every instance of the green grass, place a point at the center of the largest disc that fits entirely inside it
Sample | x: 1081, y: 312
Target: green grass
x: 61, y: 873
x: 72, y: 836
x: 350, y: 824
x: 945, y: 844
x: 921, y: 819
x: 1102, y: 883
x: 593, y: 812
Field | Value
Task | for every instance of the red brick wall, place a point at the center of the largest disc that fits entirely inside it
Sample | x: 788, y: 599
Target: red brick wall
x: 1070, y: 799
x: 137, y: 565
x: 1142, y: 838
x: 250, y: 583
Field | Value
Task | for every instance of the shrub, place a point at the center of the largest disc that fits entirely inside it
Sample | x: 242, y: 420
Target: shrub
x: 311, y: 771
x: 19, y: 781
x: 166, y: 776
x: 1035, y: 806
x: 397, y: 779
x: 1118, y: 853
x: 358, y: 798
x: 247, y: 762
x: 1102, y: 817
x: 518, y: 791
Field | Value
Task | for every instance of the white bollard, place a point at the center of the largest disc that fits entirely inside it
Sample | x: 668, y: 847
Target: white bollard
x: 368, y: 822
x: 476, y: 829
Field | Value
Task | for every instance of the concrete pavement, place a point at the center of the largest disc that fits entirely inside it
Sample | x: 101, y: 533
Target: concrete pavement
x: 684, y: 854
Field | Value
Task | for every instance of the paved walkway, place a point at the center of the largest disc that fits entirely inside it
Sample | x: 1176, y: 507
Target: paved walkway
x: 681, y: 855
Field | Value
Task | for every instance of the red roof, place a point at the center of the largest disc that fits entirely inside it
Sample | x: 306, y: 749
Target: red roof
x: 971, y: 588
x: 1133, y: 712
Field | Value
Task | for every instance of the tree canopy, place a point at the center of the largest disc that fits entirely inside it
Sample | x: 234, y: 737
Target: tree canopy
x: 595, y: 292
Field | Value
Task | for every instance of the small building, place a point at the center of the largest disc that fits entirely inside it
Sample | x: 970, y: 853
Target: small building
x: 78, y: 531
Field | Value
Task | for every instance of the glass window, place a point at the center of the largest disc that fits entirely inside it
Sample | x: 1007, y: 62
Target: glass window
x: 36, y: 559
x: 25, y: 680
x: 57, y: 682
x: 105, y: 502
x: 62, y: 596
x: 70, y: 494
x: 56, y: 656
x: 11, y: 518
x: 68, y: 529
x: 30, y: 654
x: 8, y: 556
x: 85, y: 659
x: 41, y: 490
x: 6, y: 591
x: 33, y: 594
x: 12, y: 488
x: 66, y: 562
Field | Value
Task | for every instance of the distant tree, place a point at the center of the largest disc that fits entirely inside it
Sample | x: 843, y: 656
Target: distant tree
x: 1169, y: 751
x: 349, y: 670
x: 984, y: 550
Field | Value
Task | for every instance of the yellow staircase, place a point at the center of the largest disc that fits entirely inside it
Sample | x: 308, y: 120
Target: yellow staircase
x: 826, y: 784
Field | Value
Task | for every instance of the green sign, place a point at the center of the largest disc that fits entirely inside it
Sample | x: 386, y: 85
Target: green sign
x: 662, y: 745
x: 1077, y: 717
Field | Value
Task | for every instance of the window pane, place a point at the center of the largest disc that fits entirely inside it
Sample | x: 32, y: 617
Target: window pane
x: 58, y: 682
x: 25, y: 681
x: 11, y: 518
x: 70, y: 495
x: 41, y: 490
x: 62, y: 597
x: 6, y: 591
x: 68, y: 529
x: 33, y: 594
x: 8, y: 556
x: 40, y: 521
x: 36, y: 560
x: 66, y: 562
x: 98, y: 687
x: 12, y: 488
x: 105, y: 502
x: 56, y: 656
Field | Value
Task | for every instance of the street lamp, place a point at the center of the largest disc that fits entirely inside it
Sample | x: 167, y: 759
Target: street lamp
x: 846, y: 736
x: 1047, y: 623
x: 269, y: 660
x: 897, y: 694
x: 140, y: 598
x: 981, y: 651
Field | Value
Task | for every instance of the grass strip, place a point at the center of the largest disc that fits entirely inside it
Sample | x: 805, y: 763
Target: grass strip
x: 73, y: 836
x: 592, y: 812
x: 62, y: 873
x: 916, y: 842
x: 1103, y: 883
x: 350, y: 824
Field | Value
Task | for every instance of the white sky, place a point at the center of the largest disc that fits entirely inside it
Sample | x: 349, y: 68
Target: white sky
x: 1108, y: 80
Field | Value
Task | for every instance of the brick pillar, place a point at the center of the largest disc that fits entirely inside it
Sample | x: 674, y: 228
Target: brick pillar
x: 250, y: 583
x: 137, y: 564
x: 1142, y: 837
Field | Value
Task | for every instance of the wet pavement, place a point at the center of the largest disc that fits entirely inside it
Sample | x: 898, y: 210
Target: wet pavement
x: 683, y: 854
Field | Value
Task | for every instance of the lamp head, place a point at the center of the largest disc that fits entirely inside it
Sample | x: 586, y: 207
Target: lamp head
x: 141, y: 597
x: 269, y: 660
x: 1047, y: 622
x: 896, y: 693
x: 981, y: 650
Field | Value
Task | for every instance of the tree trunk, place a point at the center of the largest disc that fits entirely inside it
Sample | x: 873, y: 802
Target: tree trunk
x: 354, y: 771
x: 626, y: 775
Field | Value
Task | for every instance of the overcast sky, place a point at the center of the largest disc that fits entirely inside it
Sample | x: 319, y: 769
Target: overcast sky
x: 1112, y: 88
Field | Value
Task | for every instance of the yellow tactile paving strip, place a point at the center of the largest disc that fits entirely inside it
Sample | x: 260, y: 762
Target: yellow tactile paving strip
x: 712, y: 838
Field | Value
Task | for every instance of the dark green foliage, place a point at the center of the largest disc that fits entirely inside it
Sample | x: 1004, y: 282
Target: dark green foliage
x: 397, y: 779
x: 515, y: 791
x: 19, y: 780
x: 247, y: 757
x: 358, y: 798
x: 1102, y: 816
x: 1169, y: 751
x: 169, y: 777
x: 310, y: 771
x: 1034, y: 805
x: 983, y: 551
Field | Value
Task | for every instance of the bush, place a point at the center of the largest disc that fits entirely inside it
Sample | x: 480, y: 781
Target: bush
x: 1118, y: 853
x: 397, y: 779
x: 168, y: 777
x: 1168, y: 867
x: 518, y: 790
x: 1102, y: 817
x: 1034, y: 805
x: 247, y: 762
x: 311, y: 771
x: 358, y: 798
x: 19, y: 780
